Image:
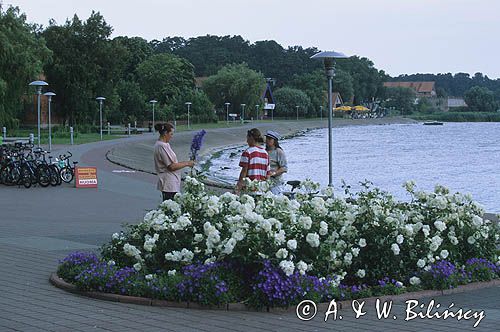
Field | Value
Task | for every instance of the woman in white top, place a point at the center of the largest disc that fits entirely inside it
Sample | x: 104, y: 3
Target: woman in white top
x: 167, y: 167
x: 277, y: 161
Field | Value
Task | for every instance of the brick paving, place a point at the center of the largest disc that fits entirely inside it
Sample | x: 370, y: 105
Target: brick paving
x: 39, y: 226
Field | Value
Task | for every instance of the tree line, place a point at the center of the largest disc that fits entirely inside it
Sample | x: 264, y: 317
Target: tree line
x: 81, y: 61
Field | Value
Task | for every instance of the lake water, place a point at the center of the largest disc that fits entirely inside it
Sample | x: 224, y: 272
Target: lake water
x: 464, y: 157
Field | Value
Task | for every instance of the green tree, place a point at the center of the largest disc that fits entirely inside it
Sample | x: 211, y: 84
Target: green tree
x: 480, y: 99
x: 287, y: 100
x: 132, y: 103
x: 22, y: 56
x: 201, y: 109
x: 86, y: 64
x: 137, y: 50
x: 236, y: 84
x: 402, y: 99
x: 164, y: 76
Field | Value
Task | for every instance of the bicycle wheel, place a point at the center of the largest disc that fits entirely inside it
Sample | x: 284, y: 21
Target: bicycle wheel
x: 13, y: 176
x: 43, y: 175
x: 66, y: 174
x: 25, y: 177
x: 54, y: 176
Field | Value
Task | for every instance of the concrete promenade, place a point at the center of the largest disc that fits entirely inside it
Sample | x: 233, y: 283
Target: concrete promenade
x: 39, y: 226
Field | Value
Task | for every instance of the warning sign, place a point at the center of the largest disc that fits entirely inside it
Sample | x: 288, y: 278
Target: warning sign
x: 86, y: 177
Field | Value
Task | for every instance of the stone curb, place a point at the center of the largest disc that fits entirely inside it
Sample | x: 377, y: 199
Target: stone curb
x: 60, y: 283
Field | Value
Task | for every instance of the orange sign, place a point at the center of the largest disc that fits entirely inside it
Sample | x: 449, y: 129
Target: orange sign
x: 86, y: 177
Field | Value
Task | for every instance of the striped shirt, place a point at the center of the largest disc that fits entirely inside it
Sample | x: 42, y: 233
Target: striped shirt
x: 257, y: 161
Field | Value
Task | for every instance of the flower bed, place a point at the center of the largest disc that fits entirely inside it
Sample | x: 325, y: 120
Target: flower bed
x: 267, y: 250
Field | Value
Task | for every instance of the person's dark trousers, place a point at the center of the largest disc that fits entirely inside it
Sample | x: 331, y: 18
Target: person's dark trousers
x: 168, y: 195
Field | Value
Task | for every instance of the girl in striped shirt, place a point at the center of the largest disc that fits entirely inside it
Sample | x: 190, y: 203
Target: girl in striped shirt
x: 254, y: 161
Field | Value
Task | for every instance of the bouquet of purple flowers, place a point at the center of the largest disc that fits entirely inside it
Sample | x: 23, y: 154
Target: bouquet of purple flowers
x: 196, y: 144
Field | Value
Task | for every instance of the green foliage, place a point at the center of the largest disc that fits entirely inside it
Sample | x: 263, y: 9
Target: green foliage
x: 85, y: 65
x: 237, y: 84
x: 132, y: 103
x: 137, y: 50
x: 22, y: 56
x: 480, y: 99
x: 165, y: 76
x: 459, y: 117
x: 401, y: 99
x: 286, y: 101
x: 201, y: 109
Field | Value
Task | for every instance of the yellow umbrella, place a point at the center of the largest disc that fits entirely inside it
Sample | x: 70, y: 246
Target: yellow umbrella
x: 342, y: 108
x: 360, y: 108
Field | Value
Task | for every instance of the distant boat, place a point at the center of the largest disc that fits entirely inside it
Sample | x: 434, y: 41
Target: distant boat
x: 433, y: 123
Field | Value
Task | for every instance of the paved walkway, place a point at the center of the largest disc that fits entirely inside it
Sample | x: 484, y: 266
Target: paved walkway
x: 39, y: 226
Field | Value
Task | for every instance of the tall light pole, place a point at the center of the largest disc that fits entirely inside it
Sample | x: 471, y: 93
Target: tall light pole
x: 101, y: 101
x: 321, y: 112
x: 257, y: 112
x: 297, y: 107
x: 152, y: 101
x: 38, y: 85
x: 328, y: 60
x: 242, y: 117
x: 227, y: 112
x: 188, y: 105
x: 49, y: 95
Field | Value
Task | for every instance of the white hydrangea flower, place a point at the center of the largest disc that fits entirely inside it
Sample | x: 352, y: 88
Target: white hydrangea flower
x: 229, y: 246
x: 426, y: 230
x: 137, y: 266
x: 148, y: 277
x: 395, y: 249
x: 362, y: 243
x: 348, y: 258
x: 279, y: 237
x: 399, y: 239
x: 361, y: 273
x: 421, y: 263
x: 444, y: 254
x: 198, y: 237
x: 305, y: 222
x: 291, y: 244
x: 477, y: 221
x: 415, y: 281
x: 323, y: 228
x: 471, y: 240
x: 355, y: 252
x: 302, y: 267
x: 282, y: 253
x: 171, y: 272
x: 313, y: 239
x: 441, y: 226
x: 287, y: 267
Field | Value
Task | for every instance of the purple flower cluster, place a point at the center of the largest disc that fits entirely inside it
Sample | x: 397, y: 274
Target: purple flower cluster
x: 443, y: 270
x: 480, y: 269
x: 384, y: 282
x: 203, y: 283
x: 80, y: 258
x: 281, y: 290
x: 106, y: 278
x: 196, y: 143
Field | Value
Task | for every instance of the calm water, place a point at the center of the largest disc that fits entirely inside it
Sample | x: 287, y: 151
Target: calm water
x: 464, y: 157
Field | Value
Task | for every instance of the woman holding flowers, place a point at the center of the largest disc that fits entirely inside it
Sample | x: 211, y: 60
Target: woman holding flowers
x: 254, y: 161
x: 166, y: 165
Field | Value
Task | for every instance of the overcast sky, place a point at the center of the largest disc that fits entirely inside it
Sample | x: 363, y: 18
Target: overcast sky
x: 399, y: 36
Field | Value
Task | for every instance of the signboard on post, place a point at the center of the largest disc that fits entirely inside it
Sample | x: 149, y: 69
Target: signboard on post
x: 86, y: 177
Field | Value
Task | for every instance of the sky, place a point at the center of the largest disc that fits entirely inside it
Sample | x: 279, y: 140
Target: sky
x: 399, y: 36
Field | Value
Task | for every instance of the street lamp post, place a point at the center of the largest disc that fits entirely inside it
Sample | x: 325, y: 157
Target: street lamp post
x: 321, y: 112
x: 100, y: 100
x: 227, y: 112
x: 328, y: 60
x: 242, y: 117
x: 297, y: 112
x: 152, y: 101
x: 188, y: 105
x: 49, y: 95
x: 257, y: 112
x: 38, y: 85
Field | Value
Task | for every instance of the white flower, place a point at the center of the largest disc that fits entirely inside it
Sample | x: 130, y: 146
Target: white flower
x: 441, y: 226
x: 348, y: 258
x: 229, y: 246
x: 361, y: 273
x: 399, y: 239
x: 399, y: 284
x: 282, y: 253
x: 415, y: 281
x: 171, y: 272
x: 426, y: 230
x: 302, y: 267
x: 305, y: 222
x: 111, y: 263
x: 395, y: 249
x: 115, y: 236
x: 355, y: 252
x: 471, y: 240
x: 148, y: 277
x: 421, y: 263
x: 287, y: 267
x: 477, y: 221
x: 409, y: 229
x: 444, y: 254
x: 362, y: 243
x: 291, y: 244
x: 323, y: 228
x: 137, y: 266
x: 198, y: 237
x: 313, y: 239
x: 279, y: 237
